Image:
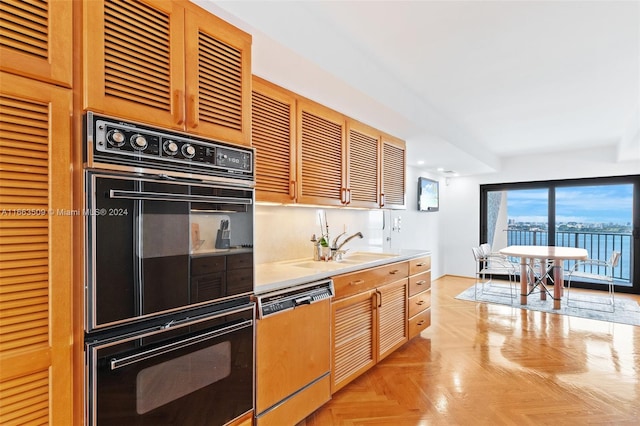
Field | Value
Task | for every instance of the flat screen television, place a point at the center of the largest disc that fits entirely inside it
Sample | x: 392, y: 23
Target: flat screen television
x: 428, y: 195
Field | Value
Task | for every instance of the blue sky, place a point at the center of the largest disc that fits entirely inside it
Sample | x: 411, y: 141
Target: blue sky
x: 586, y: 204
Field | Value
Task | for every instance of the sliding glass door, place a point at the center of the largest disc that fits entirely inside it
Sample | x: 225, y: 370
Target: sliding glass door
x: 594, y: 214
x: 598, y: 218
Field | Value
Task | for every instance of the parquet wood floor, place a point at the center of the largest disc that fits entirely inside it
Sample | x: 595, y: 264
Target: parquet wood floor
x: 482, y: 364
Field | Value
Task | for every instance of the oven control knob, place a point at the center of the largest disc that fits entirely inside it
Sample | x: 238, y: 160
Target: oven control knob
x: 170, y: 147
x: 138, y: 142
x: 115, y: 138
x: 188, y: 150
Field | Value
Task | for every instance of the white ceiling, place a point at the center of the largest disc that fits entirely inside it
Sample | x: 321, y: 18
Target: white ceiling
x: 467, y: 84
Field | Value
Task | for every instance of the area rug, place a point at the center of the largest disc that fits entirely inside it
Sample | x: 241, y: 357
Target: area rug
x: 584, y: 306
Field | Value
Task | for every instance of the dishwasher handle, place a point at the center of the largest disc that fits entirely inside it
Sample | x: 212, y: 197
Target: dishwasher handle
x: 306, y: 300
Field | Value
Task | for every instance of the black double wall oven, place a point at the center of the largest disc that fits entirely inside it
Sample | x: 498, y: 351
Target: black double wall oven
x: 169, y: 276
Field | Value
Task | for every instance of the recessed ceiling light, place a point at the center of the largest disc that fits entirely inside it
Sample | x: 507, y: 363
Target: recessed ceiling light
x: 441, y: 169
x: 420, y: 162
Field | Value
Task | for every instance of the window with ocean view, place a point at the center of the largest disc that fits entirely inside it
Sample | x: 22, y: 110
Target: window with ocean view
x: 599, y: 219
x: 594, y: 214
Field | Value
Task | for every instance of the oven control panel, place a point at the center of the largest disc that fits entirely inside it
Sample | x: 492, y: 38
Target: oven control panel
x: 127, y: 143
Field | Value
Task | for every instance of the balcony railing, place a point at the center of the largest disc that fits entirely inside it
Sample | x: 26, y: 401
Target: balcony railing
x: 598, y: 244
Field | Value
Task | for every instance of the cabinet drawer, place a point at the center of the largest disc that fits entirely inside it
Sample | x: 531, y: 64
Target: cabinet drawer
x: 239, y: 261
x: 207, y: 264
x: 419, y: 264
x: 419, y: 303
x: 419, y: 323
x: 420, y: 282
x: 239, y: 281
x: 356, y: 282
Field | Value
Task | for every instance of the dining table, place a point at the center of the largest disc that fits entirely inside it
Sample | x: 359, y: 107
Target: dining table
x: 547, y: 255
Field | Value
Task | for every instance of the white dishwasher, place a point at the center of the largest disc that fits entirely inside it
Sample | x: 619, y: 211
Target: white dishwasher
x: 293, y: 349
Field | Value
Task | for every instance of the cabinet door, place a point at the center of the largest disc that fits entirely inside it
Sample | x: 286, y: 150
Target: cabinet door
x: 320, y: 136
x: 26, y: 40
x: 218, y: 78
x: 354, y: 337
x: 35, y: 253
x: 134, y: 60
x: 393, y: 173
x: 392, y: 317
x: 363, y: 165
x: 273, y: 137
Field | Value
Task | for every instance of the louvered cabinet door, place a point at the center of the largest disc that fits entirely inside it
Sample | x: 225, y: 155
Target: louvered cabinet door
x: 35, y: 253
x: 392, y: 317
x: 218, y: 78
x: 354, y: 337
x: 134, y: 60
x: 27, y: 47
x: 273, y: 137
x: 363, y: 165
x: 321, y: 142
x: 393, y: 173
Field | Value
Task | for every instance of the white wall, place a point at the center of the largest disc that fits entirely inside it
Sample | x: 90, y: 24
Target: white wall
x: 461, y: 200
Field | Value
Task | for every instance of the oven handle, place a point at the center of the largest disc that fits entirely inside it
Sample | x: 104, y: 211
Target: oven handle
x: 132, y: 359
x: 159, y: 196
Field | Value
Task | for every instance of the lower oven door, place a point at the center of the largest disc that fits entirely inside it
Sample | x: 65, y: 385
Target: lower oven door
x: 202, y: 377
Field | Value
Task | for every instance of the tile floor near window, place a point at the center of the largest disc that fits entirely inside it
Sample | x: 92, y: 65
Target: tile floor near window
x: 482, y: 364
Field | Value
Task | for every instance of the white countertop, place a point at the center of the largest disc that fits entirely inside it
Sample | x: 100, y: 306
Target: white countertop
x: 280, y: 275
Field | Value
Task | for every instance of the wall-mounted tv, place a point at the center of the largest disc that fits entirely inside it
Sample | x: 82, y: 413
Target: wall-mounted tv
x: 428, y: 196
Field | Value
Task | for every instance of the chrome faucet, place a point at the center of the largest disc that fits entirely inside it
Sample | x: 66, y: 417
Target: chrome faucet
x: 336, y: 250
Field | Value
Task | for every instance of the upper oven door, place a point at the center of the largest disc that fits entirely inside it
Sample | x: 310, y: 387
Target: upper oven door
x: 157, y: 246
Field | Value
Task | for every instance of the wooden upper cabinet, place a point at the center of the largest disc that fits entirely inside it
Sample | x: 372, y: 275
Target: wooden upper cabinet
x: 218, y: 78
x: 393, y: 173
x: 36, y: 40
x: 134, y: 60
x: 363, y: 165
x: 321, y: 142
x: 170, y: 64
x: 273, y: 112
x: 307, y: 153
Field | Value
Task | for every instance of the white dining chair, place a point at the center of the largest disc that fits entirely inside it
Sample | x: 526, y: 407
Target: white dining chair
x: 487, y: 266
x: 594, y: 270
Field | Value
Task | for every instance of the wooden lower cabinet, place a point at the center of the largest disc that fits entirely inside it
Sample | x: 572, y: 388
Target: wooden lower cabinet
x: 354, y: 334
x: 370, y: 324
x: 419, y: 295
x: 392, y: 317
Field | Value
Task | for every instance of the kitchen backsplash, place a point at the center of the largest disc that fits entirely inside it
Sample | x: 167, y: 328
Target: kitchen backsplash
x: 284, y: 232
